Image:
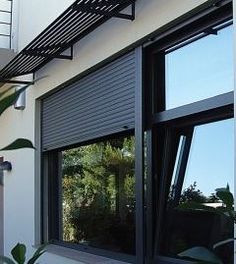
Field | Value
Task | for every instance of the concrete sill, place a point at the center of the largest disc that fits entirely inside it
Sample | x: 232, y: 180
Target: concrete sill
x: 80, y: 256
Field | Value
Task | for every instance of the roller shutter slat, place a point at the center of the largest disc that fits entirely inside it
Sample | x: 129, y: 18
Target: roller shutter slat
x: 100, y: 104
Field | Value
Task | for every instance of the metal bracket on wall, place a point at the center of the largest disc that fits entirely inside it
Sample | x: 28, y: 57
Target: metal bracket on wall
x: 41, y: 53
x: 106, y: 9
x: 21, y: 82
x: 211, y: 31
x: 15, y: 82
x: 4, y: 166
x: 76, y: 22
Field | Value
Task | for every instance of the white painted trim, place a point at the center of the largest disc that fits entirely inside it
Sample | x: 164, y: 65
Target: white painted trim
x: 15, y: 25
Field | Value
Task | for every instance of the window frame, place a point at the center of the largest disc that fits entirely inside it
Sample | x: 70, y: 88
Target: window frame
x: 47, y: 157
x: 167, y: 165
x: 150, y: 109
x: 52, y: 187
x: 160, y: 123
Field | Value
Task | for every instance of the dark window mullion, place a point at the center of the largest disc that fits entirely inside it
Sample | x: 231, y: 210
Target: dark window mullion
x: 218, y: 16
x: 53, y: 198
x: 163, y: 173
x: 44, y: 199
x: 220, y: 106
x: 153, y: 181
x: 149, y: 195
x: 139, y: 159
x: 158, y: 86
x: 60, y: 197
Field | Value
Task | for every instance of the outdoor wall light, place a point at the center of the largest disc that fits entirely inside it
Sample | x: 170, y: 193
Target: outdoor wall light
x: 5, y: 166
x: 20, y: 103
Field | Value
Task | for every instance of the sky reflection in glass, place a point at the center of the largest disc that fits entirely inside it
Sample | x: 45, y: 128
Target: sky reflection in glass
x: 200, y: 70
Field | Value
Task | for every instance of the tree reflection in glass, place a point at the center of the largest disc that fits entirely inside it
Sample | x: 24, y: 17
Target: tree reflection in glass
x: 98, y: 199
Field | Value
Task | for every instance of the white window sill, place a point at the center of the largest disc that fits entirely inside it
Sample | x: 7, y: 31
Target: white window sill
x: 80, y: 256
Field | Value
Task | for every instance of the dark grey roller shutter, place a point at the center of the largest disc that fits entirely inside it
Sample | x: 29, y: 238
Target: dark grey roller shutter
x: 99, y: 104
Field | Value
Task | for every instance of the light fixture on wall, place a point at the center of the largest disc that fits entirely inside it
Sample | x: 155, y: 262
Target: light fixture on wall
x: 20, y: 102
x: 5, y: 166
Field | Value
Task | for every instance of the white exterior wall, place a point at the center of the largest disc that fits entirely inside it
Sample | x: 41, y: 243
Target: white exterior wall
x: 111, y: 37
x: 36, y: 15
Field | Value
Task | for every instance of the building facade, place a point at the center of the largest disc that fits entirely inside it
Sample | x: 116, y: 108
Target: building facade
x: 133, y: 134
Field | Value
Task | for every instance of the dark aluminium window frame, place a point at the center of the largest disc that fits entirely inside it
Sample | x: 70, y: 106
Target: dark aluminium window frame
x: 163, y: 125
x: 150, y: 118
x: 52, y: 161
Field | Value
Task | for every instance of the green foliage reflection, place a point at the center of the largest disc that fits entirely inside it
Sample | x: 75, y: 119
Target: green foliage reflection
x: 98, y: 195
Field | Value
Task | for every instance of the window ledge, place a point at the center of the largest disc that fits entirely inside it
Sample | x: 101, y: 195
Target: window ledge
x: 81, y: 256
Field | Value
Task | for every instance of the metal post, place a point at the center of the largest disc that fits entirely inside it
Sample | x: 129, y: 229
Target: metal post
x: 139, y: 159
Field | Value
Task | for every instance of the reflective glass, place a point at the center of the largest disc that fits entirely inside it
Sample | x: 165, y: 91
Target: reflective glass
x: 200, y: 70
x: 98, y: 198
x: 200, y: 208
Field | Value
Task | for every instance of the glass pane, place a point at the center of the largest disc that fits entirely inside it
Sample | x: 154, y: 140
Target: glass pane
x: 200, y: 70
x: 201, y: 216
x: 98, y: 198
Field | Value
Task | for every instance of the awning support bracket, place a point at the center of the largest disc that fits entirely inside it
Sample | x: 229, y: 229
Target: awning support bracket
x: 76, y: 22
x: 92, y: 9
x: 16, y: 82
x: 37, y: 53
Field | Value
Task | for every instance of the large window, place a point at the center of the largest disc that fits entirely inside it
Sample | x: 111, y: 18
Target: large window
x: 92, y: 192
x: 208, y: 61
x: 199, y: 213
x: 88, y: 144
x: 190, y: 180
x: 98, y: 198
x: 146, y: 176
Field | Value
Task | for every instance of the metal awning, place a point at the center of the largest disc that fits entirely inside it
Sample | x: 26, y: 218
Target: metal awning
x: 77, y: 21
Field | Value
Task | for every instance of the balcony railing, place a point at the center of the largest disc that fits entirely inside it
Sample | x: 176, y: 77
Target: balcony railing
x: 6, y: 24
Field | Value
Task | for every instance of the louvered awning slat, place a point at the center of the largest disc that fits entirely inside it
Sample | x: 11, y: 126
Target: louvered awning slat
x: 82, y: 17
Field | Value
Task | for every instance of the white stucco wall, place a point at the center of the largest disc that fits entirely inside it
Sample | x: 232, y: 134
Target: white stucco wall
x: 35, y: 16
x: 111, y: 37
